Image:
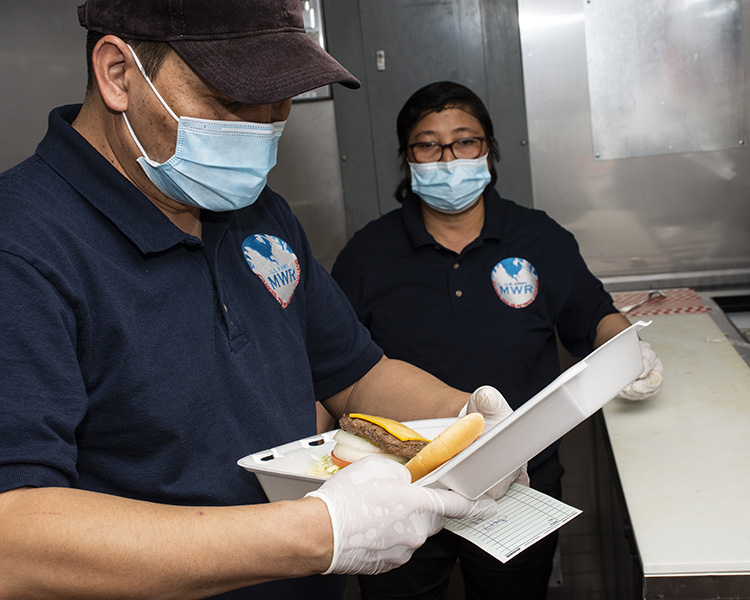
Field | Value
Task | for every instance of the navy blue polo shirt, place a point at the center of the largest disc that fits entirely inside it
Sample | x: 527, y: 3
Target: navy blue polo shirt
x: 143, y: 362
x: 485, y: 316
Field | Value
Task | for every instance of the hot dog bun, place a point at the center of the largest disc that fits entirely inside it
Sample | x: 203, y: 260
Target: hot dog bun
x: 446, y: 445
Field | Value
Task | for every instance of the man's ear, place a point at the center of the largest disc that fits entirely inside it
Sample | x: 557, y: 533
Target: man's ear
x: 111, y: 59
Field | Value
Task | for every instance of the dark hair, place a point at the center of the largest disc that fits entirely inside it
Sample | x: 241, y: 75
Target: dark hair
x: 151, y: 54
x: 436, y: 97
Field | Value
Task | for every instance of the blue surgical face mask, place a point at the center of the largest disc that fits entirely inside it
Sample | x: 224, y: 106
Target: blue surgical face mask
x: 217, y: 165
x: 453, y: 186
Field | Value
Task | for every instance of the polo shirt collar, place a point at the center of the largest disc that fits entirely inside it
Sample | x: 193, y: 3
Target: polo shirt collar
x: 495, y: 209
x: 104, y: 187
x: 411, y: 215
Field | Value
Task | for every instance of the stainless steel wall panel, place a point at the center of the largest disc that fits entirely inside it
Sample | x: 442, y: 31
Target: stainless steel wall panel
x: 658, y: 74
x: 642, y: 218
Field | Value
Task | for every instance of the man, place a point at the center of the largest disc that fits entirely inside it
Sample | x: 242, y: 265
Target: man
x: 163, y: 316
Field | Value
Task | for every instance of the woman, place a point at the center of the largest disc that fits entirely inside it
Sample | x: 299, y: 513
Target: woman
x: 473, y: 288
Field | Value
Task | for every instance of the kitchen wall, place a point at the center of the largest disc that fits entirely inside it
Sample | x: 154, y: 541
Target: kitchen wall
x: 638, y: 134
x: 653, y: 201
x: 42, y: 65
x: 631, y: 130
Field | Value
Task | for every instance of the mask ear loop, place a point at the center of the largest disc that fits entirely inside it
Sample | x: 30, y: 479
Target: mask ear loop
x: 137, y: 142
x: 158, y: 95
x: 151, y: 85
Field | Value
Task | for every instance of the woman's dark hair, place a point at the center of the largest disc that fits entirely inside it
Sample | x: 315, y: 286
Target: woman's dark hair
x: 436, y: 97
x: 151, y: 55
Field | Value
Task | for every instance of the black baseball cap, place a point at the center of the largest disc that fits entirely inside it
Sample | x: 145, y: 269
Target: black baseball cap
x: 253, y: 51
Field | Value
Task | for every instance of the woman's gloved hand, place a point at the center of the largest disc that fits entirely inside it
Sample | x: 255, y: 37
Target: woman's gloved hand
x: 649, y: 382
x: 380, y: 518
x: 494, y: 408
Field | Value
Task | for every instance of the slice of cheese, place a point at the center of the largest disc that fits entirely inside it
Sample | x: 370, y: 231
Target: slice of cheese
x: 396, y: 429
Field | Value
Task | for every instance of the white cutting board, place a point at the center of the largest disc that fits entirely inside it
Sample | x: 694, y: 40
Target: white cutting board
x: 683, y: 456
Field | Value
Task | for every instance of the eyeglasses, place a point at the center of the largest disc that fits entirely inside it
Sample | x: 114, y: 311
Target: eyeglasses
x: 470, y: 147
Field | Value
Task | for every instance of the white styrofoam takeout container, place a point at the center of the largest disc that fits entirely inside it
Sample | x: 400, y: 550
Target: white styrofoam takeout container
x: 566, y: 402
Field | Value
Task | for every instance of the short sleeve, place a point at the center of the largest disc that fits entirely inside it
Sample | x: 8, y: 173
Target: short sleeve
x: 586, y: 305
x: 43, y: 396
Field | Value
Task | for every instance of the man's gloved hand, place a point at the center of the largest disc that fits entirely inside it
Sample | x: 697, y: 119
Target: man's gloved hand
x: 494, y: 408
x: 649, y: 382
x: 380, y: 518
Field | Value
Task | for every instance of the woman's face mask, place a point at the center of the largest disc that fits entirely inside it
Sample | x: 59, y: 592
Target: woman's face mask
x: 217, y: 165
x: 453, y: 186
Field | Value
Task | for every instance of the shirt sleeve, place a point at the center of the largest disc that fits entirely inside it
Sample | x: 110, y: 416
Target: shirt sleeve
x: 587, y: 301
x: 43, y: 395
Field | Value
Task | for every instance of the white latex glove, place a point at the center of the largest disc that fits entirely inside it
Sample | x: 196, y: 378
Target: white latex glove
x: 380, y: 518
x: 649, y: 382
x: 494, y: 408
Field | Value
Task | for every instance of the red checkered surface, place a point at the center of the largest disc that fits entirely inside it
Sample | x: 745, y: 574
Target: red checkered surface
x: 675, y: 302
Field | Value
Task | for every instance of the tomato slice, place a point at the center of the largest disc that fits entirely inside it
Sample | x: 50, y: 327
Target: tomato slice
x: 338, y: 462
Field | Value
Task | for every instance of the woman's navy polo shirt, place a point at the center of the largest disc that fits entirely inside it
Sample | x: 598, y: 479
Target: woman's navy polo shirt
x: 140, y: 361
x: 486, y: 316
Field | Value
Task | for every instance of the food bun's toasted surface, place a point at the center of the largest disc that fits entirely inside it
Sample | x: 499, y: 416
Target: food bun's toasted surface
x: 445, y: 446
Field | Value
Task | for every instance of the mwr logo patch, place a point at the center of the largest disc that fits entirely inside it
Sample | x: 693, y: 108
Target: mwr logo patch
x: 273, y: 261
x: 516, y: 282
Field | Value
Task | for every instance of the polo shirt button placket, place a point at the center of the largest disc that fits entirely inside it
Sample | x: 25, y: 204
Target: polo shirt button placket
x: 457, y: 293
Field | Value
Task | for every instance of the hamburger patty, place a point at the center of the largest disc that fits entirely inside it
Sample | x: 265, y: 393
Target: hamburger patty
x: 379, y: 436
